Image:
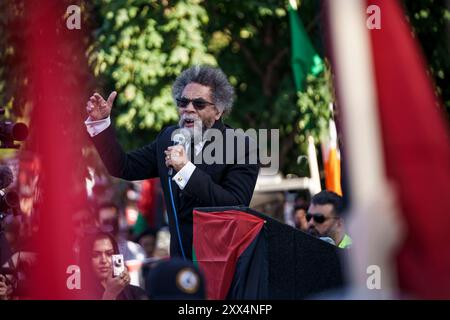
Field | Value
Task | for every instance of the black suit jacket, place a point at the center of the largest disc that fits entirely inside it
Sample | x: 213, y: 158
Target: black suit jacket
x: 209, y: 186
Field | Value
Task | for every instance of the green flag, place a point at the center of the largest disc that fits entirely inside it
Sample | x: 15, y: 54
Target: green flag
x: 305, y: 60
x: 141, y: 225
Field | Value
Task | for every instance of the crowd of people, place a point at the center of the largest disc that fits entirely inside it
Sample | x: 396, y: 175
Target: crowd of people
x: 100, y: 235
x: 203, y: 96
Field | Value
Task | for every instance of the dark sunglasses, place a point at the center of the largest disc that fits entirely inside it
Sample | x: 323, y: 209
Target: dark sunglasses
x: 318, y: 218
x: 198, y: 103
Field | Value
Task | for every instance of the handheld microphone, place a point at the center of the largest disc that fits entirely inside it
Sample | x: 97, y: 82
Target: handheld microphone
x: 180, y: 137
x: 177, y: 139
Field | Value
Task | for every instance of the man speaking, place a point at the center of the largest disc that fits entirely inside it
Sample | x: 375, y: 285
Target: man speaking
x: 203, y: 96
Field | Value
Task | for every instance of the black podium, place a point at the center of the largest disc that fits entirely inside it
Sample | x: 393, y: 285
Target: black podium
x: 245, y: 254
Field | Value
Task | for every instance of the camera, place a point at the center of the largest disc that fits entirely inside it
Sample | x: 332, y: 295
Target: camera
x: 118, y: 264
x: 10, y: 132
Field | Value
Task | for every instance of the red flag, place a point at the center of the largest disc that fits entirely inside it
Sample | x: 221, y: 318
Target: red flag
x: 219, y: 240
x: 56, y: 91
x: 417, y: 153
x: 395, y: 131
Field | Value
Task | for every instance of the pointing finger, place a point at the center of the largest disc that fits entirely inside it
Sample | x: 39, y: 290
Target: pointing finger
x: 111, y: 98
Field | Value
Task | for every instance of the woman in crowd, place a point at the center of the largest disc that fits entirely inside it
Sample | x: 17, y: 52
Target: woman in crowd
x: 97, y: 281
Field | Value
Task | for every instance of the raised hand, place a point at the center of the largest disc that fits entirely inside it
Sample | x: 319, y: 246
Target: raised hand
x: 115, y: 285
x: 97, y: 108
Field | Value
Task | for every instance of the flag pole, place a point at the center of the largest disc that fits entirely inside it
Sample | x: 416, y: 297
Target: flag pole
x: 314, y: 186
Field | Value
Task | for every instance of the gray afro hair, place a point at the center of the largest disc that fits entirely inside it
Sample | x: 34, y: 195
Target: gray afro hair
x: 222, y: 91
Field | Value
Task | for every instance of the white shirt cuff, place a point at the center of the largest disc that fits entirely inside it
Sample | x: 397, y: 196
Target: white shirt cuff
x: 182, y: 177
x: 97, y: 126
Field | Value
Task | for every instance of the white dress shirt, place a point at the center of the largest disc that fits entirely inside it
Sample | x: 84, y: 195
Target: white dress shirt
x: 181, y: 178
x: 94, y: 127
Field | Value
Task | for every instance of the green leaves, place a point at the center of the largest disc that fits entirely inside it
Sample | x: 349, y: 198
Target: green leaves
x: 429, y: 20
x: 141, y: 47
x: 314, y: 103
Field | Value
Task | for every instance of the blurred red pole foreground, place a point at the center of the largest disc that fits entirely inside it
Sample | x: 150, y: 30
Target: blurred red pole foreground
x: 55, y: 57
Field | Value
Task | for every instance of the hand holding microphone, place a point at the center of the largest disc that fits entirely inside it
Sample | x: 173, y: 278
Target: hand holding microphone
x: 176, y: 156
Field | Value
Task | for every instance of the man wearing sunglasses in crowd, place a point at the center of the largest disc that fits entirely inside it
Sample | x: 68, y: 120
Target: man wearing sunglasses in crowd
x: 203, y: 95
x: 324, y: 218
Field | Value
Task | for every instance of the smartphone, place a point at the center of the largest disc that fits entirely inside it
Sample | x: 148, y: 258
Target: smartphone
x: 118, y: 264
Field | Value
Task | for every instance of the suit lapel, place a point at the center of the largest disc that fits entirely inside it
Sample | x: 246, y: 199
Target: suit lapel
x: 202, y: 166
x: 217, y: 125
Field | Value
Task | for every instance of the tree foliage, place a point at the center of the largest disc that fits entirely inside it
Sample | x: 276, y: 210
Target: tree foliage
x: 143, y: 45
x: 138, y: 47
x: 430, y: 21
x: 255, y: 52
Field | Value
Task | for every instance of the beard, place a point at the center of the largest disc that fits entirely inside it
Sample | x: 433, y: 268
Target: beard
x: 314, y: 232
x: 329, y: 232
x: 199, y: 126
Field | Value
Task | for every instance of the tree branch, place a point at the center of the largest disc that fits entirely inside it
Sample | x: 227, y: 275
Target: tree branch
x: 249, y: 57
x: 269, y: 77
x: 313, y: 22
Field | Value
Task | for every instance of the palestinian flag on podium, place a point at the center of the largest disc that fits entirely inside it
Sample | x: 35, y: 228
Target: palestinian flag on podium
x: 230, y: 249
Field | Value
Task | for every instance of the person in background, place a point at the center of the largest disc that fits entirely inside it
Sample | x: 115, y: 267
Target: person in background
x: 325, y: 218
x: 108, y: 220
x: 147, y: 239
x: 84, y: 222
x: 97, y: 281
x: 300, y: 217
x: 12, y: 233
